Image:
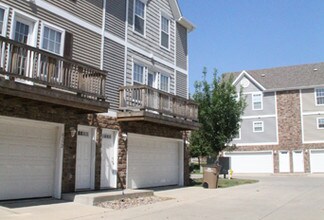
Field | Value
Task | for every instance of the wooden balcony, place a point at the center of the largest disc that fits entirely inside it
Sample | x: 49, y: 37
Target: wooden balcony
x: 144, y: 103
x: 31, y: 73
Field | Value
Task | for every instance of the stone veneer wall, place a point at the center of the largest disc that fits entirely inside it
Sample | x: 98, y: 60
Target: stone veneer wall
x: 289, y: 131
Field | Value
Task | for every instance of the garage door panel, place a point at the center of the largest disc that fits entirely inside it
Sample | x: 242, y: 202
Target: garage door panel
x: 251, y: 162
x: 152, y: 161
x: 317, y: 161
x: 27, y: 160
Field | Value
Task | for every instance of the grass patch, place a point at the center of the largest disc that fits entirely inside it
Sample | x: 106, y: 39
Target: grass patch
x: 224, y: 183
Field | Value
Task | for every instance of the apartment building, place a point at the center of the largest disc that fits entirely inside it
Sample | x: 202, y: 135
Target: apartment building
x: 281, y: 129
x: 94, y: 95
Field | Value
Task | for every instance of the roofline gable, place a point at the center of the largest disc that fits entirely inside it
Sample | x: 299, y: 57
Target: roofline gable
x: 178, y: 16
x: 247, y: 75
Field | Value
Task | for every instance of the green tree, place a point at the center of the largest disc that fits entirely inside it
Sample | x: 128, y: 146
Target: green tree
x: 220, y: 110
x: 197, y: 147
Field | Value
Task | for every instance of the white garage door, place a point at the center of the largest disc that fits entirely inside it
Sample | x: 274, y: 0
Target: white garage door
x: 317, y: 161
x: 27, y: 159
x: 251, y: 162
x: 154, y: 161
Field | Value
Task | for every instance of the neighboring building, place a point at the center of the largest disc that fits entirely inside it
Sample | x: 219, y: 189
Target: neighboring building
x: 63, y: 64
x: 282, y: 126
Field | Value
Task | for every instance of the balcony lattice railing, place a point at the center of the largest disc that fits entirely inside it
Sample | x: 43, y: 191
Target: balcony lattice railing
x: 145, y: 98
x: 34, y: 66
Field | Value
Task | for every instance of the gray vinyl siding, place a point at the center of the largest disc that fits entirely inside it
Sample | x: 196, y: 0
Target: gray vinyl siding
x: 251, y: 88
x: 147, y: 62
x: 249, y: 137
x: 311, y: 132
x: 309, y: 101
x: 269, y: 105
x: 116, y: 17
x: 82, y: 51
x: 88, y: 10
x: 151, y: 42
x: 114, y: 56
x: 182, y: 84
x: 182, y: 47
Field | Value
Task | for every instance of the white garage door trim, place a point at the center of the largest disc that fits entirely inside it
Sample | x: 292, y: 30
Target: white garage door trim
x: 180, y: 159
x: 57, y: 185
x: 268, y: 168
x: 316, y: 160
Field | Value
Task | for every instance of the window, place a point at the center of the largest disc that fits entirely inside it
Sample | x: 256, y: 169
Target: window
x: 165, y: 24
x: 139, y: 17
x: 258, y: 126
x: 164, y: 83
x: 319, y: 96
x: 2, y: 16
x: 238, y: 135
x: 138, y: 73
x: 257, y: 101
x: 52, y: 40
x: 320, y: 123
x: 151, y: 78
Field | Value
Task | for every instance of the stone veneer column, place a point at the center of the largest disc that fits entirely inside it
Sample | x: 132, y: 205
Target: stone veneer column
x: 289, y: 123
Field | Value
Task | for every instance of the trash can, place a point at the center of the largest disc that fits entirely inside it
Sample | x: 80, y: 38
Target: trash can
x: 210, y: 176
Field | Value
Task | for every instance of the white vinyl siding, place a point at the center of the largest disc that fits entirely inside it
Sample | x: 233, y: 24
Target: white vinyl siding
x: 165, y: 32
x: 258, y: 126
x: 257, y: 103
x: 138, y: 73
x: 164, y: 83
x: 319, y: 96
x: 320, y: 123
x: 139, y: 17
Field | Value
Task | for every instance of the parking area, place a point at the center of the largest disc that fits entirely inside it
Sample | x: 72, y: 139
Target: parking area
x: 273, y: 197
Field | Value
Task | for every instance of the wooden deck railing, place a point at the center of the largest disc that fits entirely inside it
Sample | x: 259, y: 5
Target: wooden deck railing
x: 146, y: 98
x: 28, y: 64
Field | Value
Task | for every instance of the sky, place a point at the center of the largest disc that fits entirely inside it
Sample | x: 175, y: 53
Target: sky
x: 236, y: 35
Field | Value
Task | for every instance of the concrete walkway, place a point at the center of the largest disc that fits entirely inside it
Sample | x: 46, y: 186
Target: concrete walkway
x: 295, y: 197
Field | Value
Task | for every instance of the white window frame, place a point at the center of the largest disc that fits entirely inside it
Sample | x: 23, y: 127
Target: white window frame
x: 315, y: 95
x: 164, y: 75
x: 254, y: 126
x: 18, y: 15
x: 318, y: 123
x: 144, y: 73
x: 55, y: 28
x: 5, y: 19
x: 154, y: 78
x: 134, y: 14
x: 253, y: 101
x: 162, y: 14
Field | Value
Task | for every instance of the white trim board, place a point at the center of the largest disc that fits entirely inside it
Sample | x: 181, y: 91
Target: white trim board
x: 258, y: 116
x: 244, y: 73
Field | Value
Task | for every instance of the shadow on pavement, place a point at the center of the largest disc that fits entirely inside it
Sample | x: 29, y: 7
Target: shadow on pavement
x: 14, y: 204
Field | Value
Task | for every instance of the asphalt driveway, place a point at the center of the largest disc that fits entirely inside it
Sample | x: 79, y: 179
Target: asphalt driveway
x: 274, y: 197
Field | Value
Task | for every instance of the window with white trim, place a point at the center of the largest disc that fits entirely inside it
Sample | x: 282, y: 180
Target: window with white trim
x: 52, y: 40
x: 319, y: 92
x: 164, y: 83
x: 257, y: 102
x: 258, y: 126
x: 138, y: 73
x: 2, y: 17
x: 320, y: 123
x: 165, y: 32
x: 139, y: 16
